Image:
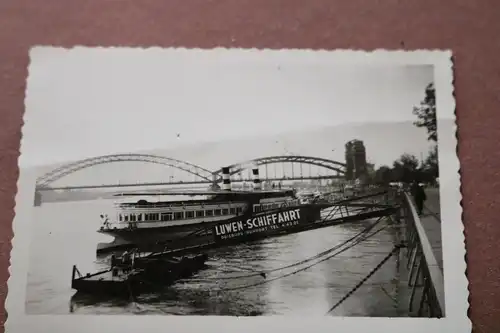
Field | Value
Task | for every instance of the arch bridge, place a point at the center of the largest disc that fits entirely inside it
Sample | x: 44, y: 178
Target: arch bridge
x: 331, y: 169
x: 337, y: 168
x: 67, y: 169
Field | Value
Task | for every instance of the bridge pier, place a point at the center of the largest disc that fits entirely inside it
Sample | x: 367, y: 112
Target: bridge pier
x: 38, y: 199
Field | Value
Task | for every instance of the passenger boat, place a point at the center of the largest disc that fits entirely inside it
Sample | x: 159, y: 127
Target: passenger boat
x: 146, y: 222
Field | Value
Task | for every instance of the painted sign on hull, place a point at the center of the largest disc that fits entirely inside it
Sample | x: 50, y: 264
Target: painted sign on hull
x: 261, y: 224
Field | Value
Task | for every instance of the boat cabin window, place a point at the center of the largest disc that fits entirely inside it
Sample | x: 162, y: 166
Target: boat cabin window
x: 151, y: 217
x: 130, y: 217
x: 170, y: 216
x: 166, y: 217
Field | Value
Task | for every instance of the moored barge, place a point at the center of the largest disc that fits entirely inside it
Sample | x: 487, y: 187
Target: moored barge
x: 136, y: 275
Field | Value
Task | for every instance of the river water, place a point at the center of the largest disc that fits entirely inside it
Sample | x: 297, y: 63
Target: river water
x: 65, y: 234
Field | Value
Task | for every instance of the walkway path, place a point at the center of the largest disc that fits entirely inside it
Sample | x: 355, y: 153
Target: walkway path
x: 431, y: 222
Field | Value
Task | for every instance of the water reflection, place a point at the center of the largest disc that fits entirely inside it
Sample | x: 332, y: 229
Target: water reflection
x: 172, y: 301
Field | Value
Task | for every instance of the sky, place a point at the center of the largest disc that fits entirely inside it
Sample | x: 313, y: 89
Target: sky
x: 87, y: 102
x: 322, y: 142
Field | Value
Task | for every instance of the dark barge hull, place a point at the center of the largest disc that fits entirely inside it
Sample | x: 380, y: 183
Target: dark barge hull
x: 91, y: 284
x: 147, y: 275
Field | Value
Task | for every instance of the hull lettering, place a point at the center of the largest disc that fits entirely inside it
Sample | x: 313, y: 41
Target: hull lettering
x: 259, y: 224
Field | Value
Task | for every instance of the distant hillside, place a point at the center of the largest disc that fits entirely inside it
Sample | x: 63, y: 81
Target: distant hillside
x: 384, y: 143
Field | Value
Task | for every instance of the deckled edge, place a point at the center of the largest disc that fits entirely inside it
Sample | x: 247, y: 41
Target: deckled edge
x: 16, y: 256
x: 459, y: 204
x: 241, y: 49
x: 453, y: 241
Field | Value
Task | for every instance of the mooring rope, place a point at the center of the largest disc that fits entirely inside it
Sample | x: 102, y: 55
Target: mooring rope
x: 332, y: 211
x: 267, y: 271
x: 373, y: 271
x: 362, y: 282
x: 290, y: 273
x: 326, y: 218
x: 301, y: 269
x: 357, y: 239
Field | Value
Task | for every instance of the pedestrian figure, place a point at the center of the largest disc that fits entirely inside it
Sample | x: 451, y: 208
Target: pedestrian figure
x: 419, y: 195
x: 113, y: 260
x: 126, y: 261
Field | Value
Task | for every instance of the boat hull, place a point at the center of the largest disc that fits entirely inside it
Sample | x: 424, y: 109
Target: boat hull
x: 182, y: 236
x: 148, y: 275
x: 125, y: 239
x: 118, y: 244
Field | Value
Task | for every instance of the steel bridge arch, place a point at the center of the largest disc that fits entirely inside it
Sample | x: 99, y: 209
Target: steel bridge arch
x: 321, y: 162
x: 70, y: 168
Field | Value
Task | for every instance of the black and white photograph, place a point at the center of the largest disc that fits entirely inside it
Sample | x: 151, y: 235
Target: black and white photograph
x: 195, y: 187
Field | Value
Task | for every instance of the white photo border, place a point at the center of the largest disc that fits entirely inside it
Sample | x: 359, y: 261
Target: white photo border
x: 456, y: 283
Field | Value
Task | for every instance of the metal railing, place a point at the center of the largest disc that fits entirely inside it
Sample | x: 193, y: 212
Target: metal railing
x: 425, y: 277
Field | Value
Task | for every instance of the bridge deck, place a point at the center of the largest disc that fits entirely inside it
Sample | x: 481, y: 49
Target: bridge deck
x: 174, y: 183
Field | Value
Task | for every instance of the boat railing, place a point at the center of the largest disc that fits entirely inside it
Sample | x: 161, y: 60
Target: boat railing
x: 113, y: 225
x: 425, y: 277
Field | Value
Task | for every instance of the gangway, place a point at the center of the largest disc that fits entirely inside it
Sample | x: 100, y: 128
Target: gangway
x: 344, y: 211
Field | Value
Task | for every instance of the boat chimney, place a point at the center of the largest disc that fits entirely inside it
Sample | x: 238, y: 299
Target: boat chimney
x: 226, y: 179
x: 256, y: 178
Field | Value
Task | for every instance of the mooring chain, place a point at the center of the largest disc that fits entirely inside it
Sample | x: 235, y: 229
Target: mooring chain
x: 373, y: 271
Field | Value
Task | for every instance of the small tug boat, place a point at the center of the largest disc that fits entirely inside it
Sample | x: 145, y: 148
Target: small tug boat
x: 133, y: 275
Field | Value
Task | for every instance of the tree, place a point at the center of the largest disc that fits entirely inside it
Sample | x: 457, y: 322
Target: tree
x: 383, y: 175
x: 431, y: 164
x: 426, y: 113
x: 406, y: 169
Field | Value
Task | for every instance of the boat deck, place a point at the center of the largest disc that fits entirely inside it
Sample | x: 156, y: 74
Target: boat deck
x: 106, y: 276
